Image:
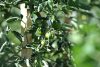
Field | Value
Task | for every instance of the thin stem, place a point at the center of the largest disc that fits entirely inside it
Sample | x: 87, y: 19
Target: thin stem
x: 3, y: 46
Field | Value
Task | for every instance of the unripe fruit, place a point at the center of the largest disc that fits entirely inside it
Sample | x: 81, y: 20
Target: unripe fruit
x: 47, y: 35
x: 42, y: 42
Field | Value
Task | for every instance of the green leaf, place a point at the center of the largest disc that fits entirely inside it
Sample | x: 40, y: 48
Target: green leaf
x: 18, y: 35
x: 55, y: 45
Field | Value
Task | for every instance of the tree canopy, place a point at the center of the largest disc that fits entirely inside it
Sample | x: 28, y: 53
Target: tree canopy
x: 65, y: 33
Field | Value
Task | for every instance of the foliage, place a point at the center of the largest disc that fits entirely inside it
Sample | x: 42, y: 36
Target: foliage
x: 50, y: 46
x: 58, y: 27
x: 86, y: 38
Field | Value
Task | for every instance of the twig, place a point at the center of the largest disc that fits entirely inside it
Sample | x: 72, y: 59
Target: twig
x: 10, y: 18
x: 3, y: 46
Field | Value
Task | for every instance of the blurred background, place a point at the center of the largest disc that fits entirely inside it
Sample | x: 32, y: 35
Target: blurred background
x: 86, y: 39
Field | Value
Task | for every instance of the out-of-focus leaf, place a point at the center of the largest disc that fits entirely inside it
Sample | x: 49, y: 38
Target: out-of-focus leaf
x: 15, y: 11
x: 76, y: 37
x: 45, y: 63
x: 95, y: 11
x: 55, y: 45
x: 34, y: 17
x: 11, y: 36
x: 15, y: 25
x: 18, y: 35
x: 38, y: 32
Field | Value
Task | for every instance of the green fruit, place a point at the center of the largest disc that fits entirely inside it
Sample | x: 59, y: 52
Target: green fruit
x: 42, y: 42
x: 47, y: 35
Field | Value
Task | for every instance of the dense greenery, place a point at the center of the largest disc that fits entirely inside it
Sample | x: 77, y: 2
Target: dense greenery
x: 65, y: 33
